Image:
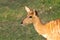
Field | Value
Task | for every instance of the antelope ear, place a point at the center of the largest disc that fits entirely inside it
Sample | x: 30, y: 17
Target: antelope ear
x: 35, y: 12
x: 27, y: 9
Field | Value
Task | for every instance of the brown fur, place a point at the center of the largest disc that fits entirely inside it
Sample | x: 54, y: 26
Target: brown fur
x: 50, y: 30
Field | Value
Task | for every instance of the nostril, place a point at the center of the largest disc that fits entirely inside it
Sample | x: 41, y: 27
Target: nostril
x: 21, y: 22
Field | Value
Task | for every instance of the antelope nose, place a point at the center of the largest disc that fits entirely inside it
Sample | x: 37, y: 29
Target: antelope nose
x: 21, y: 22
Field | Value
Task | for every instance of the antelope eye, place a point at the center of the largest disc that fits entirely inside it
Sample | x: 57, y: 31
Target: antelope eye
x: 30, y: 16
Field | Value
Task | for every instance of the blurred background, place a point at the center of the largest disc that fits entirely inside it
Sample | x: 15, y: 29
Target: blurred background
x: 12, y: 12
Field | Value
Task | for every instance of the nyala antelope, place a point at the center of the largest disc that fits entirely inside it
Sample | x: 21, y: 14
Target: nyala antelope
x: 50, y: 30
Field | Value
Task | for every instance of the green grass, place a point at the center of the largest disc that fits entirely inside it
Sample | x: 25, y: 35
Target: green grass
x: 12, y: 12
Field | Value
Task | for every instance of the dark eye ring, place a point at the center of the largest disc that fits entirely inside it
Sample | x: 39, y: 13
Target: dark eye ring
x: 30, y: 16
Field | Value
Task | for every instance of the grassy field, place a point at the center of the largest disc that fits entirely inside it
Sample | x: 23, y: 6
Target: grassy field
x: 12, y: 12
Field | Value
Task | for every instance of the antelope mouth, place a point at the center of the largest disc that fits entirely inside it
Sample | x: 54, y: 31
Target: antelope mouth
x: 23, y: 24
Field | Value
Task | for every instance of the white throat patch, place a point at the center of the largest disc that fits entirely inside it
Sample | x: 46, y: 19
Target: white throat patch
x: 44, y: 35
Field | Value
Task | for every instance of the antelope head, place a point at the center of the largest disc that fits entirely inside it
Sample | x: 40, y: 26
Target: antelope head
x: 31, y: 13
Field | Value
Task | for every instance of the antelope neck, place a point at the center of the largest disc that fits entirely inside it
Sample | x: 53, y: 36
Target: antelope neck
x: 38, y: 25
